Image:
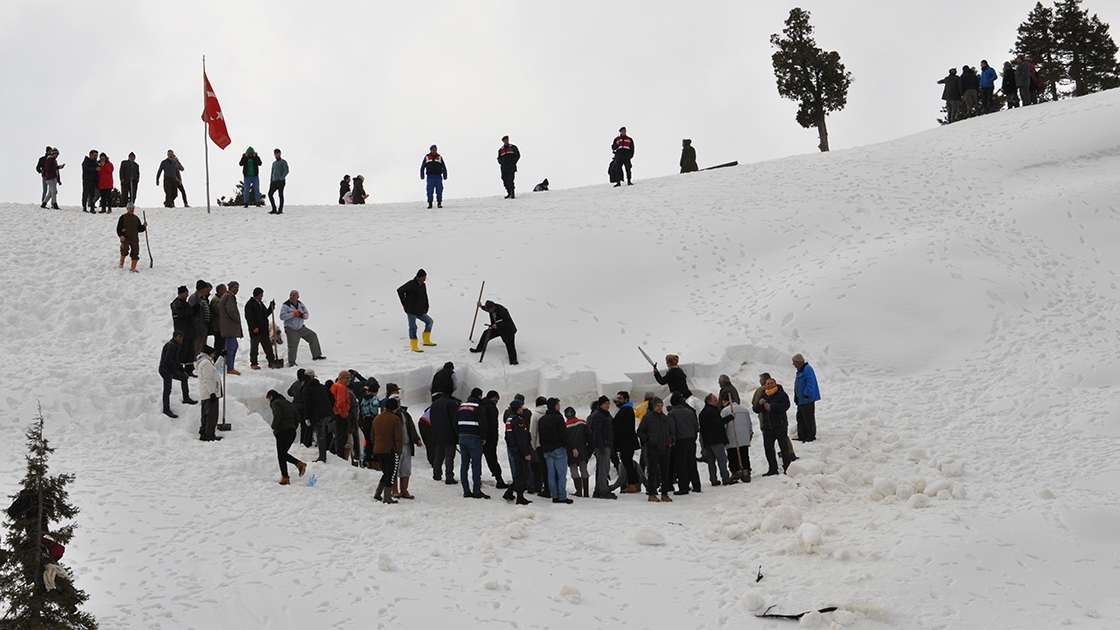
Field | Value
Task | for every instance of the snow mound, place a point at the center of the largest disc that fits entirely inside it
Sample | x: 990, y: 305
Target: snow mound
x: 648, y: 536
x: 570, y: 593
x: 385, y: 563
x: 779, y: 518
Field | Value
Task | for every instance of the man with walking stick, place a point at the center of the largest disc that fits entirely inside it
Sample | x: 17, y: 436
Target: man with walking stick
x: 501, y: 325
x: 129, y: 227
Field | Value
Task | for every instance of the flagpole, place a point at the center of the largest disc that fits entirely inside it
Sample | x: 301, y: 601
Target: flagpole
x: 205, y: 133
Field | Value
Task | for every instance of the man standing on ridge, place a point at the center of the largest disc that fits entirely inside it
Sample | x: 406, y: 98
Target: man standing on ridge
x: 508, y: 155
x: 805, y: 394
x: 688, y: 157
x: 623, y: 149
x: 951, y: 95
x: 89, y: 183
x: 170, y: 168
x: 276, y: 182
x: 988, y: 78
x: 42, y: 175
x: 414, y: 299
x: 434, y: 170
x: 251, y: 171
x: 129, y: 172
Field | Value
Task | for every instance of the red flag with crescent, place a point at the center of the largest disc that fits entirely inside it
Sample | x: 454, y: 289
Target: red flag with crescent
x: 213, y: 117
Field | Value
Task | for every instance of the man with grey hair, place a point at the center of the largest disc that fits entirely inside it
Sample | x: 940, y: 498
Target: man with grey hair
x: 726, y: 388
x: 229, y: 318
x: 294, y: 315
x: 805, y: 395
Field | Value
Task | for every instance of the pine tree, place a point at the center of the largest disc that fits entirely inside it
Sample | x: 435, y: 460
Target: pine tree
x: 1036, y: 40
x: 809, y: 75
x: 41, y: 501
x: 1086, y: 47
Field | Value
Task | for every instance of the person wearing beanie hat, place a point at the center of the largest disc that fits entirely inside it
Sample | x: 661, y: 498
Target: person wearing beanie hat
x: 508, y: 155
x: 489, y: 414
x: 229, y: 323
x: 251, y: 171
x: 520, y: 449
x: 600, y: 426
x: 434, y: 170
x: 501, y: 325
x: 445, y: 381
x: 414, y: 299
x: 388, y: 444
x: 623, y: 149
x: 685, y: 430
x: 657, y: 435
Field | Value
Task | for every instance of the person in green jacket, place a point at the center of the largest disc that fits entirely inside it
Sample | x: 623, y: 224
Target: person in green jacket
x: 251, y: 171
x: 284, y: 424
x: 276, y: 183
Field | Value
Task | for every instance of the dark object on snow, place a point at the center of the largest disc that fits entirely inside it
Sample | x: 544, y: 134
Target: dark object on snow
x: 767, y: 613
x: 759, y: 578
x: 541, y: 187
x: 724, y: 165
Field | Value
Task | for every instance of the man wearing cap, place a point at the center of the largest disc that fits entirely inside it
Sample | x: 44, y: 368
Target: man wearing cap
x: 276, y: 181
x: 129, y: 172
x: 51, y: 179
x: 129, y: 227
x: 508, y: 155
x: 229, y: 322
x: 623, y: 148
x: 520, y: 449
x: 489, y: 417
x: 256, y: 318
x: 251, y: 171
x: 170, y: 369
x: 294, y: 315
x: 414, y: 299
x: 805, y: 395
x: 170, y: 168
x: 434, y: 170
x: 501, y: 325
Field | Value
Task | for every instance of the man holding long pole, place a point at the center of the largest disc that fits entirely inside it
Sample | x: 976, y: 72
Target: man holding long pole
x: 501, y: 325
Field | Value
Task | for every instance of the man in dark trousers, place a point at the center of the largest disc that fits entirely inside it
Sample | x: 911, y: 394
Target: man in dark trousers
x: 434, y: 170
x: 39, y: 169
x: 806, y: 393
x: 129, y: 172
x: 623, y: 148
x: 508, y: 155
x: 90, y: 193
x: 444, y: 414
x: 489, y: 416
x: 951, y: 95
x: 520, y: 450
x: 256, y: 318
x: 688, y: 157
x: 414, y: 299
x: 501, y: 325
x: 171, y: 370
x: 129, y: 227
x: 170, y: 168
x: 277, y: 181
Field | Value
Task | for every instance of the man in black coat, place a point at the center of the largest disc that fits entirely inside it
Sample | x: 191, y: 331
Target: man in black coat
x: 952, y: 95
x: 181, y: 322
x: 520, y: 449
x: 626, y: 441
x: 39, y: 168
x: 445, y: 381
x: 414, y: 299
x: 256, y: 318
x: 623, y: 148
x: 688, y: 157
x: 129, y: 173
x: 444, y: 415
x: 771, y: 408
x: 489, y: 415
x: 685, y: 429
x: 501, y: 325
x: 319, y: 409
x: 90, y: 193
x: 170, y: 369
x: 601, y: 426
x: 508, y: 155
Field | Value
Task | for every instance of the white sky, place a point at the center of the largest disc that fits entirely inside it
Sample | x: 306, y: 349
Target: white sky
x: 366, y: 87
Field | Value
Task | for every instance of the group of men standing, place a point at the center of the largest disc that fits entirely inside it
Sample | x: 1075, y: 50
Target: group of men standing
x: 971, y: 93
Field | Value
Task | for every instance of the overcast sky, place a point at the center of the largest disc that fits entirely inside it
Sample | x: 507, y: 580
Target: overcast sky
x: 366, y: 87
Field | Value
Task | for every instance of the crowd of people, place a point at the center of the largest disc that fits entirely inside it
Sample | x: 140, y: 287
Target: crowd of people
x: 972, y: 92
x: 98, y: 181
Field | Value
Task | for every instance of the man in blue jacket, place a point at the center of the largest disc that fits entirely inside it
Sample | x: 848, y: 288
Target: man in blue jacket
x: 805, y: 394
x: 988, y: 78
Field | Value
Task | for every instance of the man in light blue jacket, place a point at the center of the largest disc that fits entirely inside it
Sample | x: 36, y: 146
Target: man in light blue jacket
x: 805, y: 394
x: 294, y: 315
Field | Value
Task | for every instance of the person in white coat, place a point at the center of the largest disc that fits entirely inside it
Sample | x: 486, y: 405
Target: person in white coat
x: 210, y: 391
x: 739, y: 434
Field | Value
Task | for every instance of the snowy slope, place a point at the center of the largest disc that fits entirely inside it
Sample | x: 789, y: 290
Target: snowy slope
x: 955, y: 291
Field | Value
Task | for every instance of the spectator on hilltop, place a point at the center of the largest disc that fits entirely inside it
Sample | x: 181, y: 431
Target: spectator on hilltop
x: 343, y: 188
x: 276, y: 181
x: 688, y: 157
x: 251, y: 172
x: 951, y: 95
x: 129, y: 174
x: 170, y: 169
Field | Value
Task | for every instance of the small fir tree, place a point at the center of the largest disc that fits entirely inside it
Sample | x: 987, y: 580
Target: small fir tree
x: 41, y: 502
x: 814, y: 78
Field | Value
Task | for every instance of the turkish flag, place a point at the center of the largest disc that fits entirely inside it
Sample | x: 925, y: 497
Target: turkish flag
x: 212, y: 115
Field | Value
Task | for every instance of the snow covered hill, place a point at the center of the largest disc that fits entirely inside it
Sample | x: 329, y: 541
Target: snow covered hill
x: 956, y: 292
